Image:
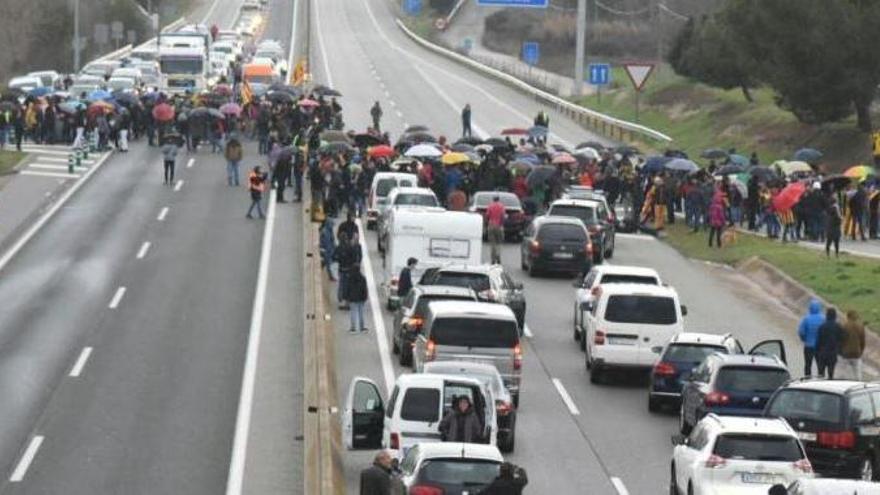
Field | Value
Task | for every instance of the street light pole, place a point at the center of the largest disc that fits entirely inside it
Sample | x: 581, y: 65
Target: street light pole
x: 579, y: 49
x: 76, y: 40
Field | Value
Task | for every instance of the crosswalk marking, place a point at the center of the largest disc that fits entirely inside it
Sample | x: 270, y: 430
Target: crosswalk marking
x: 49, y: 174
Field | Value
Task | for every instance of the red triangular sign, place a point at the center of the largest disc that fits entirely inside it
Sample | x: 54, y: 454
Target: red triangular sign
x: 639, y: 73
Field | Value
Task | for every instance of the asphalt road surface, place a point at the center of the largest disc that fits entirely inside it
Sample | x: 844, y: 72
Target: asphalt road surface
x: 602, y: 440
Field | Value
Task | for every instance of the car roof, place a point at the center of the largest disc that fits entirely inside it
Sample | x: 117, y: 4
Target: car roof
x: 749, y: 360
x: 750, y: 425
x: 460, y: 366
x: 582, y: 203
x: 700, y: 338
x: 434, y: 450
x: 832, y: 386
x: 431, y: 379
x: 640, y: 289
x: 558, y: 220
x: 471, y: 308
x: 479, y: 269
x: 444, y: 290
x: 626, y: 270
x: 395, y: 175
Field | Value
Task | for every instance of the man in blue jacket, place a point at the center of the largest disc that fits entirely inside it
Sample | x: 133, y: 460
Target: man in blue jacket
x: 808, y: 331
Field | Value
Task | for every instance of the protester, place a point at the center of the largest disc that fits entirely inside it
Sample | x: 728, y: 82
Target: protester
x: 376, y: 115
x: 808, y: 331
x: 461, y: 424
x: 169, y: 154
x: 717, y: 218
x: 832, y: 229
x: 356, y: 294
x: 348, y: 258
x: 466, y: 121
x: 404, y: 282
x: 328, y: 247
x: 256, y: 186
x: 510, y: 481
x: 234, y: 154
x: 376, y: 479
x: 495, y: 215
x: 852, y: 345
x: 828, y: 344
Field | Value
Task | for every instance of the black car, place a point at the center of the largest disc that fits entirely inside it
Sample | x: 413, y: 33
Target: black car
x: 516, y: 219
x: 410, y: 315
x: 556, y: 244
x: 838, y: 421
x: 598, y: 220
x: 490, y: 282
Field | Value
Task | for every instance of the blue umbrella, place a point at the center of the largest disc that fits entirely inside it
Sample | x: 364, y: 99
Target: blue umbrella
x: 528, y: 158
x: 738, y: 160
x: 681, y: 165
x: 655, y: 164
x: 809, y: 155
x: 538, y: 131
x: 40, y: 91
x: 99, y: 94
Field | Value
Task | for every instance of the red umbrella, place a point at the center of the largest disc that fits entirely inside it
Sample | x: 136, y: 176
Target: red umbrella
x: 564, y: 159
x: 163, y: 112
x: 98, y: 108
x: 789, y: 196
x: 309, y: 103
x: 515, y: 131
x: 381, y: 151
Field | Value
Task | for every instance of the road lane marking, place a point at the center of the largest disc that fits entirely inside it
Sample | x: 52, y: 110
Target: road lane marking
x: 143, y: 250
x: 572, y: 408
x: 162, y: 214
x: 637, y: 237
x: 391, y: 102
x: 235, y: 481
x: 378, y: 320
x: 49, y: 174
x: 482, y: 134
x: 81, y: 362
x: 117, y: 298
x: 47, y: 166
x: 399, y: 114
x: 619, y: 486
x: 321, y: 45
x: 26, y: 459
x: 190, y: 163
x: 527, y: 331
x: 178, y: 185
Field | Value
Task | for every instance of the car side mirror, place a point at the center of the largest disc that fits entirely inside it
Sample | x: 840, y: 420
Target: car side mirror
x: 684, y: 310
x: 679, y: 440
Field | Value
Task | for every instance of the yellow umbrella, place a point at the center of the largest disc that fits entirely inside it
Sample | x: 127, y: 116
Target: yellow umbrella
x: 860, y: 172
x: 454, y: 158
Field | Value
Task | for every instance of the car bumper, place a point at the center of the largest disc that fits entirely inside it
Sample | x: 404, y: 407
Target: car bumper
x: 623, y: 356
x: 556, y: 265
x: 734, y: 411
x: 831, y: 463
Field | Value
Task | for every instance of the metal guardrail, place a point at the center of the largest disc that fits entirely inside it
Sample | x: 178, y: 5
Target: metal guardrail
x: 612, y: 127
x: 174, y: 25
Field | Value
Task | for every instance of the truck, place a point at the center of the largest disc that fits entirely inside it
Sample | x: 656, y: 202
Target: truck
x: 184, y: 69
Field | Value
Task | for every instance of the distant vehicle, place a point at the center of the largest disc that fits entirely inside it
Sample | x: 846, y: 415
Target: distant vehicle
x: 556, y: 244
x: 409, y: 319
x: 77, y: 90
x: 184, y: 69
x: 516, y: 219
x: 150, y: 74
x: 491, y: 283
x: 126, y: 84
x: 727, y: 454
x: 48, y: 78
x: 147, y: 52
x: 132, y: 73
x: 101, y: 69
x: 447, y: 468
x: 733, y: 385
x: 837, y: 420
x: 259, y: 73
x: 595, y: 217
x: 403, y: 197
x: 383, y: 184
x: 25, y: 83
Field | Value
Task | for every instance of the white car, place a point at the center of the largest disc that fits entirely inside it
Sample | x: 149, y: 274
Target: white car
x: 126, y: 84
x: 435, y: 468
x: 130, y: 73
x: 606, y: 274
x: 25, y: 83
x: 403, y: 197
x: 49, y: 78
x: 745, y: 456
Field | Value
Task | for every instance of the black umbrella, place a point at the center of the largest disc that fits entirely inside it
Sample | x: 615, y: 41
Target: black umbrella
x: 285, y: 89
x: 540, y: 174
x: 729, y: 169
x: 205, y: 113
x: 336, y: 148
x: 416, y: 128
x: 418, y: 137
x: 591, y: 144
x: 714, y: 154
x: 462, y: 148
x: 763, y: 173
x: 471, y: 140
x: 322, y: 90
x: 125, y: 99
x: 280, y: 97
x: 627, y: 150
x: 498, y: 143
x: 835, y: 182
x: 367, y: 140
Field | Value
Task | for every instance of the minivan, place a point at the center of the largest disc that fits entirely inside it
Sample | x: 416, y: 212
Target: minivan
x: 472, y: 331
x: 383, y: 184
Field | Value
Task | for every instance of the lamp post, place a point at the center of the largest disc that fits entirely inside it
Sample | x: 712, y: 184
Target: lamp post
x: 579, y: 49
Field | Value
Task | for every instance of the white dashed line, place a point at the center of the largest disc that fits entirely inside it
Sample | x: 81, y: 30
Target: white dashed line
x: 637, y: 237
x: 162, y: 214
x: 26, y: 459
x: 619, y: 486
x: 381, y: 84
x: 81, y: 362
x: 565, y: 397
x: 190, y: 163
x: 387, y: 94
x: 400, y: 115
x: 143, y: 250
x: 117, y: 298
x: 178, y: 185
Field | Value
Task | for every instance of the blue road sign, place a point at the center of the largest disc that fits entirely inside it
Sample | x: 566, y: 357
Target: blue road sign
x: 531, y: 51
x: 536, y: 4
x: 412, y: 7
x: 467, y: 44
x: 599, y: 74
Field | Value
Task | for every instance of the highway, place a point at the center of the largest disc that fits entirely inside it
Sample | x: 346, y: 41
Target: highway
x: 573, y: 437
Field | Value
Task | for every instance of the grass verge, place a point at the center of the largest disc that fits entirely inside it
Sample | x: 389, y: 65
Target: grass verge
x: 848, y: 283
x: 8, y: 160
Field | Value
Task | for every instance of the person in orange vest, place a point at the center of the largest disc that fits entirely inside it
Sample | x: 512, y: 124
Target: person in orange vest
x: 256, y: 185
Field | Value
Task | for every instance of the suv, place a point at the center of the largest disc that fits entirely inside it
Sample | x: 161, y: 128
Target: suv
x: 410, y: 316
x: 837, y: 420
x: 556, y: 244
x: 446, y: 468
x: 734, y: 385
x: 588, y: 288
x: 725, y: 454
x: 595, y: 217
x: 490, y: 282
x: 516, y: 219
x: 685, y: 352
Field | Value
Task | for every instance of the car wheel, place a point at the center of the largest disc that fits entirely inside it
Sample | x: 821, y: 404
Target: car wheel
x: 683, y: 425
x: 654, y: 404
x: 673, y: 483
x: 595, y: 374
x: 866, y: 469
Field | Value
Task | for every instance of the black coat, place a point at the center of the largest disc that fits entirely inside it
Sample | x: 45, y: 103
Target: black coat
x: 830, y: 337
x: 348, y: 256
x: 375, y: 480
x: 404, y: 285
x: 356, y: 288
x: 507, y: 486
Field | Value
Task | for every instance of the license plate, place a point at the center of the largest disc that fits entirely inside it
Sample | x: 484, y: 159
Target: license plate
x: 621, y: 341
x: 762, y: 478
x: 806, y: 436
x: 563, y: 256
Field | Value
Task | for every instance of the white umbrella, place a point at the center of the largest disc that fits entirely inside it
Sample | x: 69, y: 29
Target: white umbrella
x: 424, y: 151
x: 590, y: 153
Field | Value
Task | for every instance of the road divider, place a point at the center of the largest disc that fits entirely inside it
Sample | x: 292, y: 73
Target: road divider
x: 80, y: 362
x: 572, y: 408
x: 27, y: 458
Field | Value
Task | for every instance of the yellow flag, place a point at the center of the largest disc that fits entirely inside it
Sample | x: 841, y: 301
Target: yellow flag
x: 247, y: 95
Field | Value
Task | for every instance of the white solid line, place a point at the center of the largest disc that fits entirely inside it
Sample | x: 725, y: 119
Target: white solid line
x: 527, y: 331
x: 391, y: 102
x: 178, y: 185
x: 321, y: 45
x: 62, y: 160
x: 565, y: 397
x: 619, y: 486
x: 190, y: 163
x: 143, y: 250
x: 290, y: 62
x: 638, y: 237
x: 378, y: 320
x: 24, y: 239
x: 235, y: 481
x: 117, y: 298
x: 49, y: 174
x: 35, y: 151
x: 81, y: 362
x: 26, y: 459
x: 399, y: 113
x: 162, y: 214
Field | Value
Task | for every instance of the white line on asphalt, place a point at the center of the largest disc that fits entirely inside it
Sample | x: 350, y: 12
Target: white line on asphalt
x: 4, y: 260
x: 638, y: 237
x: 449, y: 101
x: 178, y: 185
x: 162, y: 214
x: 190, y: 163
x: 81, y: 362
x: 26, y: 459
x: 392, y: 103
x: 321, y: 45
x: 49, y: 174
x: 572, y: 408
x: 235, y: 481
x: 45, y: 151
x: 619, y: 486
x: 46, y: 166
x: 117, y: 298
x: 378, y: 320
x: 62, y: 160
x: 292, y: 48
x: 381, y: 84
x: 387, y: 94
x: 143, y: 250
x: 210, y: 11
x: 399, y: 114
x: 527, y: 331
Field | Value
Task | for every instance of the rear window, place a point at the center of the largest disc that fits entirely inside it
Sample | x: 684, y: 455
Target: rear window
x: 474, y: 332
x: 691, y: 353
x: 384, y: 186
x: 470, y: 473
x: 610, y: 278
x: 758, y: 448
x: 415, y: 200
x: 585, y: 214
x: 421, y: 404
x: 508, y: 200
x: 562, y: 233
x: 422, y: 305
x: 745, y: 379
x: 477, y: 281
x: 641, y: 309
x: 807, y: 405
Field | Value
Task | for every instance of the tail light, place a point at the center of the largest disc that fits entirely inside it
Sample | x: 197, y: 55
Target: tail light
x: 425, y: 490
x: 517, y: 356
x: 414, y: 323
x: 503, y: 408
x: 430, y: 350
x: 836, y: 439
x: 715, y: 461
x: 664, y: 369
x: 535, y: 247
x: 395, y: 441
x: 588, y: 248
x: 803, y: 466
x: 716, y: 399
x: 599, y: 337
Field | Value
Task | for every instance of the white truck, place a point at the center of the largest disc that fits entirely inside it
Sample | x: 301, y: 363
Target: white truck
x: 183, y: 68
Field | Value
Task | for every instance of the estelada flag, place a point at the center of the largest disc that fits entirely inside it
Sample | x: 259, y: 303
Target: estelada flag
x: 300, y: 72
x: 247, y: 94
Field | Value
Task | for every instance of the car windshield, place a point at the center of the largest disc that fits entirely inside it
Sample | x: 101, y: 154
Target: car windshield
x: 616, y: 278
x: 691, y: 353
x: 586, y: 214
x: 479, y: 282
x: 654, y: 310
x: 415, y: 200
x: 809, y: 405
x: 181, y: 65
x: 384, y: 186
x: 750, y: 379
x: 508, y: 200
x: 422, y: 305
x: 758, y: 448
x: 562, y: 233
x: 458, y: 472
x: 474, y: 332
x: 421, y: 404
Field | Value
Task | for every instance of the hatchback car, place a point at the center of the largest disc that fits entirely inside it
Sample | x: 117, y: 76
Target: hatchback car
x: 837, y: 420
x: 447, y: 469
x: 516, y: 219
x: 556, y: 244
x: 490, y: 282
x: 595, y: 218
x: 410, y: 316
x: 733, y: 385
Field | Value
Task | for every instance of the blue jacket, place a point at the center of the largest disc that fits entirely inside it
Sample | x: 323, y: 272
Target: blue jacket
x: 808, y: 330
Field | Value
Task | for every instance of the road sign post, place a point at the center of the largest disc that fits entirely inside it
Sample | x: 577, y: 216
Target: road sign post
x: 599, y: 75
x: 638, y: 73
x: 531, y: 52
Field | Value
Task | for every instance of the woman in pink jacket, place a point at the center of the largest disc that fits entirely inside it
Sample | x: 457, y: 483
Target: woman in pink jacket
x: 717, y: 216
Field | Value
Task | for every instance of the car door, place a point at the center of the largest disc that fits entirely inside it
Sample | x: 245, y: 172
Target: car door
x: 428, y: 276
x: 364, y: 415
x: 687, y: 455
x: 583, y: 294
x: 772, y: 347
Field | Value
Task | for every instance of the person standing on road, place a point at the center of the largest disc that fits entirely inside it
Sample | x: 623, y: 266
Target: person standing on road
x: 808, y: 331
x: 348, y: 256
x: 356, y: 294
x: 833, y: 221
x: 234, y: 153
x: 256, y: 186
x: 327, y: 244
x: 495, y: 215
x: 828, y: 344
x: 461, y: 424
x: 169, y: 155
x: 347, y: 228
x: 376, y: 479
x: 852, y: 346
x: 510, y: 481
x: 280, y: 175
x: 717, y: 218
x: 404, y: 283
x: 466, y: 121
x: 376, y: 114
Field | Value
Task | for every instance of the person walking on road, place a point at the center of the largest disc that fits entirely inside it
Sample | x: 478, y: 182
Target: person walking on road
x: 808, y: 331
x: 281, y: 174
x: 376, y: 114
x: 234, y: 153
x: 328, y: 247
x: 376, y: 479
x: 510, y: 481
x: 356, y: 294
x: 466, y: 121
x: 347, y: 228
x: 404, y: 283
x: 461, y: 424
x: 256, y: 186
x: 852, y: 346
x: 169, y: 155
x: 833, y: 221
x: 495, y: 215
x: 828, y: 344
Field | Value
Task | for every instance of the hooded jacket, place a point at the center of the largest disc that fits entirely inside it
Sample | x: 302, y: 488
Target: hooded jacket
x: 853, y: 344
x: 808, y: 330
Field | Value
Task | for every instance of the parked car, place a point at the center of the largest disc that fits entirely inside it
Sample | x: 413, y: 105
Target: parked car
x: 556, y: 244
x: 516, y: 220
x: 409, y: 319
x: 446, y: 469
x: 490, y: 282
x: 595, y: 217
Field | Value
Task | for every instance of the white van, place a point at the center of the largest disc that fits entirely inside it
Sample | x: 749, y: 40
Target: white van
x: 627, y: 326
x: 433, y: 236
x: 413, y: 412
x: 383, y: 184
x: 402, y: 197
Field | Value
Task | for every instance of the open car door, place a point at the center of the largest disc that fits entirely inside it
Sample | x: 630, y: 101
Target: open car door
x: 363, y: 420
x: 769, y: 348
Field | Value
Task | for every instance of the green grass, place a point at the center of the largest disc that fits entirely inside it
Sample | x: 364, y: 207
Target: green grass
x: 848, y: 283
x: 8, y: 160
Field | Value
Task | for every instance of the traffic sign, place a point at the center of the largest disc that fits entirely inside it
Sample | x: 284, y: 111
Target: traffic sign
x: 412, y: 7
x: 537, y: 4
x: 531, y: 52
x: 638, y: 73
x: 599, y: 74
